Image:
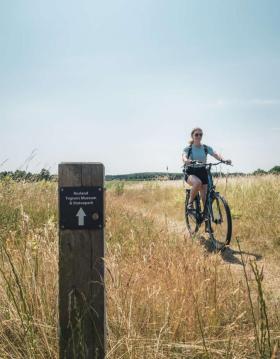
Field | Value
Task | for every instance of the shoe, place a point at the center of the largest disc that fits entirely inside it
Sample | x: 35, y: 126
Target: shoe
x: 192, y: 211
x: 190, y: 208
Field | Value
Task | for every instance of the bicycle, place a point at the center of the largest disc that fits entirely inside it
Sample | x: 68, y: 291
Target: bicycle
x: 216, y: 214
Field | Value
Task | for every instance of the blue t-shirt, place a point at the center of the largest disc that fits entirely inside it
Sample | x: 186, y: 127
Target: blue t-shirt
x: 198, y: 153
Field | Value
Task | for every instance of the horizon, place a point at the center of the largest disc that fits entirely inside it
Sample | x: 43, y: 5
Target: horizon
x: 145, y: 172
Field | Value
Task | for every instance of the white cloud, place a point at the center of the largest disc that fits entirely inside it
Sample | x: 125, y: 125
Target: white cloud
x: 238, y: 102
x: 265, y: 102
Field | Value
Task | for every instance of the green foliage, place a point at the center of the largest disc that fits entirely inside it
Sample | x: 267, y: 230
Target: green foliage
x: 45, y: 175
x: 119, y: 188
x: 145, y: 176
x: 275, y: 170
x: 259, y: 172
x: 20, y: 175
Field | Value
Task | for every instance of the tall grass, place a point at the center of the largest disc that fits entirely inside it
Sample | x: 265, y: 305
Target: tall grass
x: 170, y: 299
x: 166, y: 297
x: 254, y: 202
x: 28, y: 270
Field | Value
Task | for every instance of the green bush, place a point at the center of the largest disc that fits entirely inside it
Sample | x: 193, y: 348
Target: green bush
x: 119, y: 188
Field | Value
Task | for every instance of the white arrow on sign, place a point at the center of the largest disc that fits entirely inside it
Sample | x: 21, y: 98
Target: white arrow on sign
x: 81, y: 217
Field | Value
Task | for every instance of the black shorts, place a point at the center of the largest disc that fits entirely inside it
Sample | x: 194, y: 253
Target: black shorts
x: 199, y: 172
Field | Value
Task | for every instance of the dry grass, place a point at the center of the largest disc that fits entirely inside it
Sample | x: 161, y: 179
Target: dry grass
x: 28, y: 270
x: 254, y: 202
x: 167, y: 297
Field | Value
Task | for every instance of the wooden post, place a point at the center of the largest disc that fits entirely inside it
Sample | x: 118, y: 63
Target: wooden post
x: 81, y: 264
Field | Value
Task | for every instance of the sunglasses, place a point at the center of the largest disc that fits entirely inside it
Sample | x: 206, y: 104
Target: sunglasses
x: 198, y: 134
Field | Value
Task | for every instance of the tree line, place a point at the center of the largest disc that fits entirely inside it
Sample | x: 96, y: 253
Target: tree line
x: 20, y: 175
x: 45, y: 175
x: 273, y: 170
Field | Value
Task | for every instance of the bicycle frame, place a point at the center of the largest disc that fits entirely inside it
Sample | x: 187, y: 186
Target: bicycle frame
x: 210, y: 190
x: 209, y: 195
x: 215, y: 210
x: 207, y: 211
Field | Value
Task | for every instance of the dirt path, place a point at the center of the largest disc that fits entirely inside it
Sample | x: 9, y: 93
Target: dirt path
x: 231, y: 256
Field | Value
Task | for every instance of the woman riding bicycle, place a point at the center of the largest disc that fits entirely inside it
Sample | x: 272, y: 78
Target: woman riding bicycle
x: 196, y: 174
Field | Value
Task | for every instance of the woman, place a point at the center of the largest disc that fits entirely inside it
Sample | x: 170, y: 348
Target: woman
x: 196, y: 175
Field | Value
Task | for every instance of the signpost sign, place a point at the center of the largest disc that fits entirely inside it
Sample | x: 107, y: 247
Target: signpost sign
x: 81, y: 207
x: 81, y: 261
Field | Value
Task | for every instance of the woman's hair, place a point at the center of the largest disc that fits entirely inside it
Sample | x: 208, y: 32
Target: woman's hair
x: 192, y: 133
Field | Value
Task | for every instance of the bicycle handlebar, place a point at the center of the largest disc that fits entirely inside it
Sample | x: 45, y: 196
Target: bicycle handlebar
x: 208, y: 164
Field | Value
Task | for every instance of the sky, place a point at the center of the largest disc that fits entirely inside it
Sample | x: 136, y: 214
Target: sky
x: 123, y: 82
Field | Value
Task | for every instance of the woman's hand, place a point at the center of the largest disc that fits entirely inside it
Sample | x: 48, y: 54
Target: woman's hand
x: 186, y: 160
x: 220, y: 158
x: 228, y: 162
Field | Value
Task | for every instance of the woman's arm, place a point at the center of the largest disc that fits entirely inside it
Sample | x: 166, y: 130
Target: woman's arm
x: 185, y: 159
x: 220, y: 158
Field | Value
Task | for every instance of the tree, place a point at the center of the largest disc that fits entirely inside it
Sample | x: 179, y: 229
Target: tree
x: 19, y: 175
x: 45, y: 175
x: 259, y: 171
x: 275, y: 170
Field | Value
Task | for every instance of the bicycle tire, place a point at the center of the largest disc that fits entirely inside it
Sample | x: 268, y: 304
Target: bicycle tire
x: 217, y: 219
x: 191, y: 220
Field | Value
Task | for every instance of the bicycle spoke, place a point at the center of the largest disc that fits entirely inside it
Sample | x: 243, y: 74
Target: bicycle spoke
x: 217, y: 212
x: 221, y: 221
x: 191, y: 216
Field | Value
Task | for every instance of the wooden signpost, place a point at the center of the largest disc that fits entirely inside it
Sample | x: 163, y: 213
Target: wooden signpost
x: 81, y: 265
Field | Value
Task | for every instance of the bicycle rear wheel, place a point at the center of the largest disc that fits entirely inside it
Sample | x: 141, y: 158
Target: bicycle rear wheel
x: 191, y: 218
x: 221, y: 222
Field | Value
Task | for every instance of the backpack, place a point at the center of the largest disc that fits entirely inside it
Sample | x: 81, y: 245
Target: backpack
x: 190, y: 150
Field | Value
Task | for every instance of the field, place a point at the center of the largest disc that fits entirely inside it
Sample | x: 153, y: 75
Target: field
x: 168, y: 296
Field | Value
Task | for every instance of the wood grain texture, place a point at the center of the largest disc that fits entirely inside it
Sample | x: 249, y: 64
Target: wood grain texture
x: 81, y: 276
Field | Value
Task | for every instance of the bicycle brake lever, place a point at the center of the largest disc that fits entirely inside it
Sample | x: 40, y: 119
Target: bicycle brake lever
x: 229, y: 164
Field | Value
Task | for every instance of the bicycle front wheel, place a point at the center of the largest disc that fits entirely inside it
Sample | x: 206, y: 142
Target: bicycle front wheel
x: 191, y: 218
x: 221, y: 222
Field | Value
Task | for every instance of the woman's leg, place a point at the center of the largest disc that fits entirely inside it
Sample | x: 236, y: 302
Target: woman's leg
x: 195, y: 183
x: 203, y: 192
